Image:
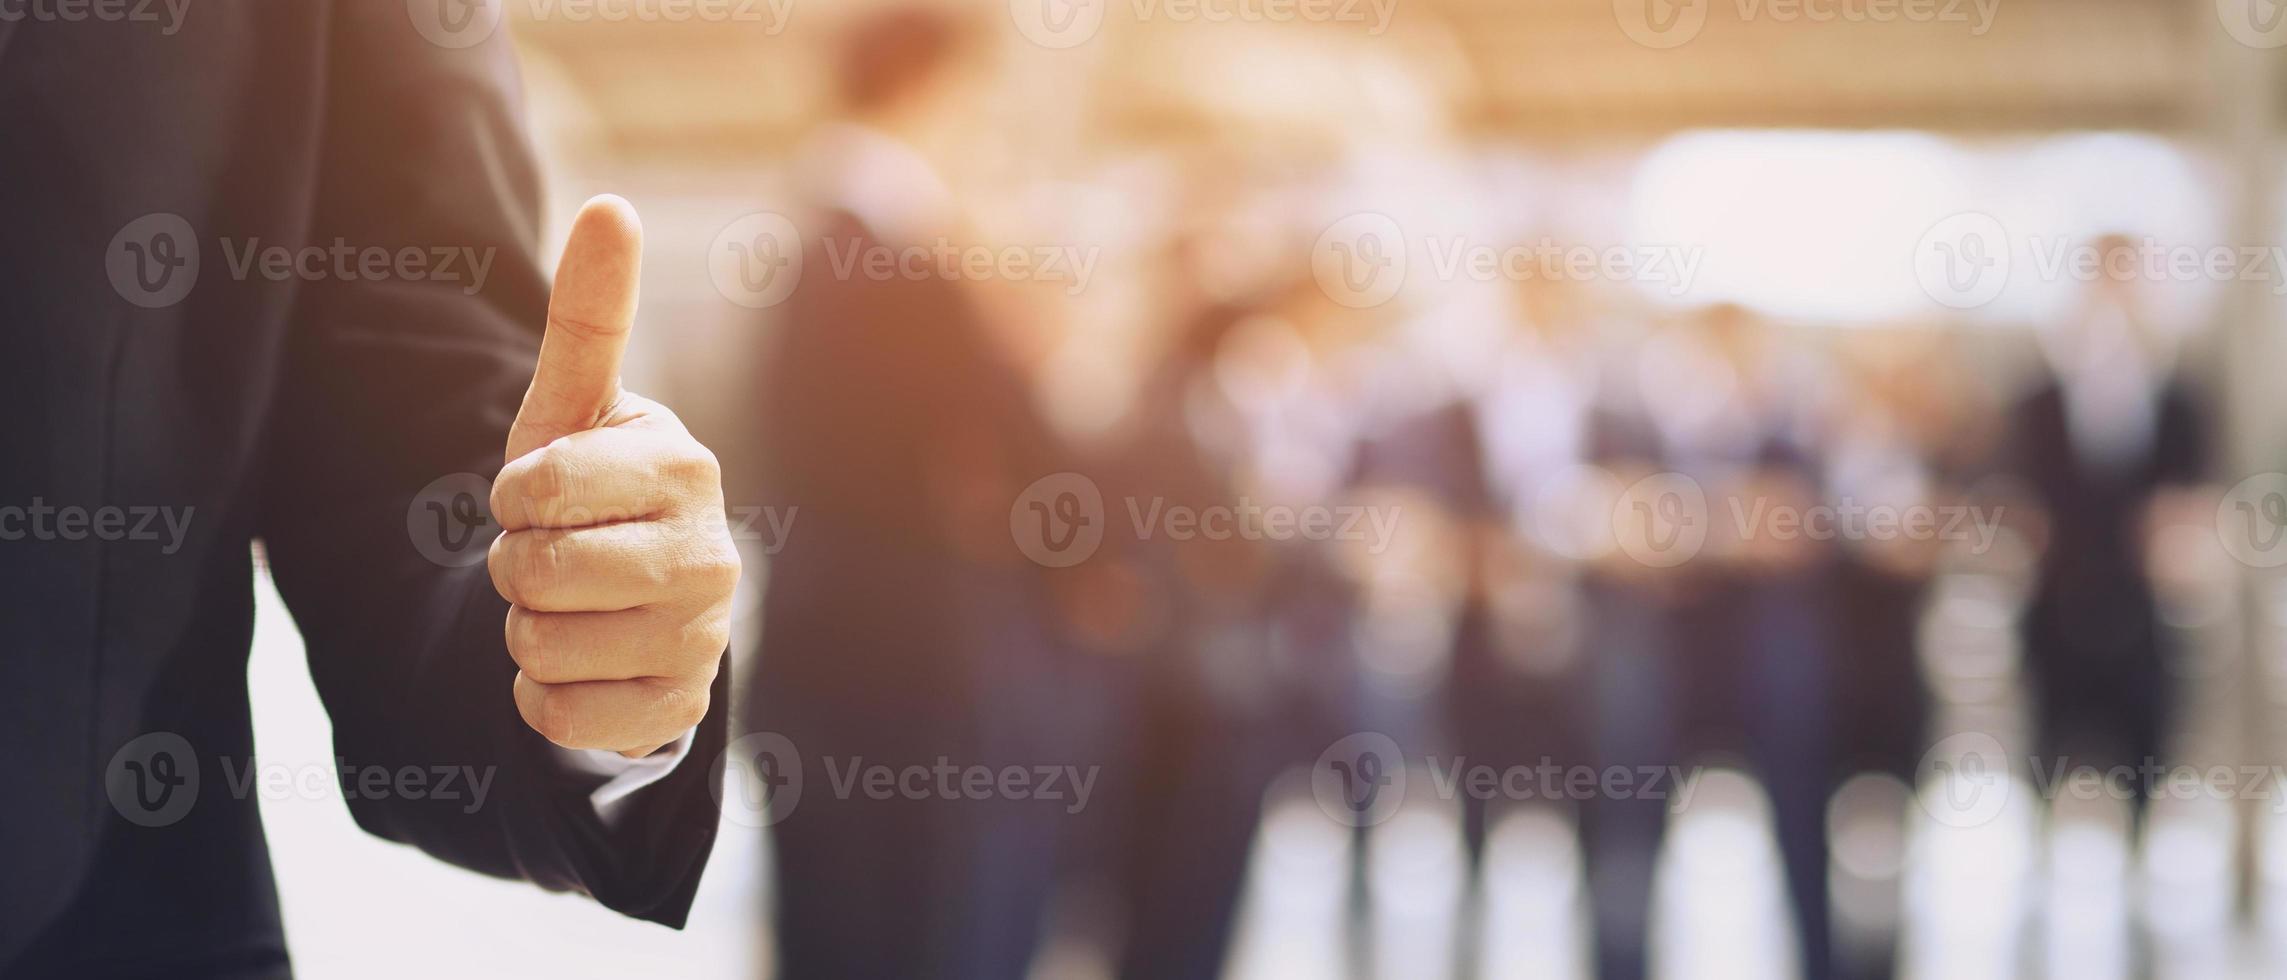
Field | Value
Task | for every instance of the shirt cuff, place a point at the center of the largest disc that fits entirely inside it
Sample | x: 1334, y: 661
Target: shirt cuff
x: 621, y: 775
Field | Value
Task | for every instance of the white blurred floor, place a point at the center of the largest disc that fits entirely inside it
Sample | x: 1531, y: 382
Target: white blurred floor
x: 1721, y: 904
x: 336, y: 882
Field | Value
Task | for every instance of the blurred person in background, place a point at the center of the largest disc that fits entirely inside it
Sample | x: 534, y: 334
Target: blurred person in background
x: 902, y: 626
x: 1740, y: 667
x: 1906, y: 431
x: 1202, y: 720
x: 1285, y: 410
x: 2110, y: 443
x: 1511, y: 694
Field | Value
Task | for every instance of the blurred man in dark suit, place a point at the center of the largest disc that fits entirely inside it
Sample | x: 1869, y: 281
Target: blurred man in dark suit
x: 2106, y: 438
x: 1514, y: 690
x: 1712, y: 650
x: 903, y: 625
x: 1907, y: 431
x: 1245, y: 671
x: 305, y: 402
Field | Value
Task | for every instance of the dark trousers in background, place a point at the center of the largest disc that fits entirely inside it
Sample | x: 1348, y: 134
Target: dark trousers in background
x: 879, y: 655
x: 1741, y: 672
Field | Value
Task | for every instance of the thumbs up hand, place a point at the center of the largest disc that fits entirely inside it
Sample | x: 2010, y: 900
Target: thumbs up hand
x: 615, y: 556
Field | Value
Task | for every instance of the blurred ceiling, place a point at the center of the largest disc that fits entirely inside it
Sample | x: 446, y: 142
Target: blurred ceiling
x: 2036, y: 64
x: 1555, y: 69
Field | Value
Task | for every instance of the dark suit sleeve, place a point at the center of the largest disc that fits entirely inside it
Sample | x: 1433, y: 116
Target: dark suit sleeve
x: 391, y: 382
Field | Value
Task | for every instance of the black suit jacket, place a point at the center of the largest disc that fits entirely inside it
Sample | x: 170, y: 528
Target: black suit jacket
x: 2093, y: 636
x: 304, y: 413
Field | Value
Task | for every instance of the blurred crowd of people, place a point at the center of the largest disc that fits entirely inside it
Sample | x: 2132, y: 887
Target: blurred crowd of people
x: 1514, y: 620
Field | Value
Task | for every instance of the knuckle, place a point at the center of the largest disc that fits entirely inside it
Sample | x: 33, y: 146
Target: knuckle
x: 501, y: 562
x: 556, y: 718
x: 501, y: 501
x: 705, y: 638
x: 532, y: 484
x: 682, y: 707
x: 537, y: 569
x: 716, y: 570
x: 537, y: 646
x: 693, y: 464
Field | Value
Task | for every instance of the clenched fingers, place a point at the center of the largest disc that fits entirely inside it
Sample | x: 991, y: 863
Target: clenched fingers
x: 630, y: 644
x: 606, y: 476
x: 682, y: 562
x: 631, y: 717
